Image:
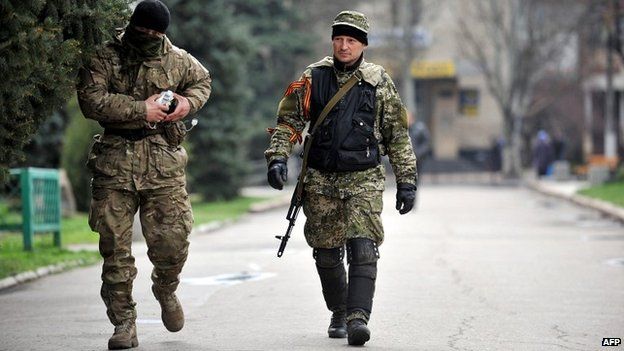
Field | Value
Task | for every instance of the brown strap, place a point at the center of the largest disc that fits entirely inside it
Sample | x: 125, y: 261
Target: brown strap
x: 306, y: 148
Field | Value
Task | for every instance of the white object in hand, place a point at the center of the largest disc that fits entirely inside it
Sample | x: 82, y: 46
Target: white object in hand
x: 165, y: 98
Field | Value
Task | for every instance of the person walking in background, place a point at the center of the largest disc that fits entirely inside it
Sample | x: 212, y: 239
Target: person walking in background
x: 138, y: 161
x: 421, y: 143
x: 345, y: 179
x: 543, y: 154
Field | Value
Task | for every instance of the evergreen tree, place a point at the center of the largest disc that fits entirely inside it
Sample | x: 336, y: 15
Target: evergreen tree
x: 281, y: 40
x: 209, y: 30
x: 42, y: 44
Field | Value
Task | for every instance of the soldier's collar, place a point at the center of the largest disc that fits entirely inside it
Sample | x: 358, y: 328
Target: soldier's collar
x: 370, y: 72
x: 342, y: 67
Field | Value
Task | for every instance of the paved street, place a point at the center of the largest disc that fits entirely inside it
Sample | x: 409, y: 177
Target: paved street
x: 474, y: 268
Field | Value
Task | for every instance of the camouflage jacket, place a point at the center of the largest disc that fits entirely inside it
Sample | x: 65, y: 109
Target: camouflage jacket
x: 390, y: 129
x: 109, y: 94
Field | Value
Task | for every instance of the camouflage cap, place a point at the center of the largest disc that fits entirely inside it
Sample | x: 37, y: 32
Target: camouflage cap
x: 353, y: 19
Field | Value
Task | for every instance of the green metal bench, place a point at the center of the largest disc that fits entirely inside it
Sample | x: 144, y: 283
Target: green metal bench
x: 40, y: 195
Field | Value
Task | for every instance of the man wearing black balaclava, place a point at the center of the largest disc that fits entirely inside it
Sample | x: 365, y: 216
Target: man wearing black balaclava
x: 138, y: 162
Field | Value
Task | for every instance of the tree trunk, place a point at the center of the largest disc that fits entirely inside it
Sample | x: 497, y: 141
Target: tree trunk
x: 512, y: 162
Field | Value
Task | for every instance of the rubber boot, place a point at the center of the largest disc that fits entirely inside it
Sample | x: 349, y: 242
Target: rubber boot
x: 172, y: 314
x: 124, y: 337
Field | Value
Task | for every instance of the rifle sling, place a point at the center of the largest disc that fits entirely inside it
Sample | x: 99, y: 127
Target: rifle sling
x: 306, y: 148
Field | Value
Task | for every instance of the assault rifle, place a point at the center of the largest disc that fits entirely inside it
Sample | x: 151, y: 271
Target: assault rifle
x: 293, y: 211
x: 297, y: 200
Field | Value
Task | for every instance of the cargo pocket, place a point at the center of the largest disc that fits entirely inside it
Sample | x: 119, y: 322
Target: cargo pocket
x: 168, y: 160
x: 360, y: 137
x: 359, y: 149
x: 104, y: 156
x: 95, y: 209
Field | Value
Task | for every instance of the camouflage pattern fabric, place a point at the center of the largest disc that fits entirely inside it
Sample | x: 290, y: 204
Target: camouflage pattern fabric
x: 110, y: 92
x: 352, y: 18
x: 390, y: 129
x: 148, y: 173
x: 331, y: 221
x: 166, y: 219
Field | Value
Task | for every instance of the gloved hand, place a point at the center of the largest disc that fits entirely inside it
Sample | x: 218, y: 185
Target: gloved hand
x: 277, y: 174
x: 405, y: 196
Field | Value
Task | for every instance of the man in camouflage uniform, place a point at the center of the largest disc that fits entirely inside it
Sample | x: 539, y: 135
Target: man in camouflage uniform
x: 138, y: 161
x: 345, y: 179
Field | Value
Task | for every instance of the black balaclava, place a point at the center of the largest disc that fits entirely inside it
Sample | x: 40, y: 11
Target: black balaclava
x: 150, y: 14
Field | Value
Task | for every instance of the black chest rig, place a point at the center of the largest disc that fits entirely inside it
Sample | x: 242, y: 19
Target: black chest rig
x: 345, y: 141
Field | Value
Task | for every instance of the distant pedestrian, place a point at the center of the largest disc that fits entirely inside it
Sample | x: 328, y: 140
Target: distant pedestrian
x: 543, y: 154
x: 421, y: 143
x: 496, y: 154
x: 345, y: 179
x: 138, y: 162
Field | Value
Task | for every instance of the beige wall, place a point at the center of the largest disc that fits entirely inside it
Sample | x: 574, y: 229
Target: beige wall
x: 451, y: 131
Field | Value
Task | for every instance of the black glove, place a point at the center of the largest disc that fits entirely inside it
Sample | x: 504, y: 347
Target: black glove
x: 277, y: 174
x: 405, y: 196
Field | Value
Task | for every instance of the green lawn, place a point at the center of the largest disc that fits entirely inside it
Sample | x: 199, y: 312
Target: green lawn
x: 611, y: 192
x: 75, y: 230
x: 14, y: 260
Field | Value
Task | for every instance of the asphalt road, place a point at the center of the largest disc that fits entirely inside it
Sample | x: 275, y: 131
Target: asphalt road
x: 474, y: 268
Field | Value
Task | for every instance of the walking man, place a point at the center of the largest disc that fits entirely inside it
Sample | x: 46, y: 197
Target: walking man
x: 138, y: 161
x: 345, y: 179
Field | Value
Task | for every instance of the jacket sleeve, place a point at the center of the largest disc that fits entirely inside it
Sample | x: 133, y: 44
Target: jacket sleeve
x: 197, y: 86
x: 395, y: 134
x: 96, y: 102
x: 292, y: 116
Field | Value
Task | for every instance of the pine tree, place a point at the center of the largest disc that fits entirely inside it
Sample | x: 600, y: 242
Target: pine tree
x: 280, y: 43
x: 209, y: 30
x: 42, y: 45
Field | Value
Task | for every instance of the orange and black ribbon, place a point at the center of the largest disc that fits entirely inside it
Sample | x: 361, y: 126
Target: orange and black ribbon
x: 305, y: 84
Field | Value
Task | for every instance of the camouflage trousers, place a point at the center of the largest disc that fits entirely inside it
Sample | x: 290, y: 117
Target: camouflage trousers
x: 331, y: 221
x: 166, y: 221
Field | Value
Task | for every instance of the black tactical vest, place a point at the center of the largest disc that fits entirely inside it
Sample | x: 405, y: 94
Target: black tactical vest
x: 344, y: 141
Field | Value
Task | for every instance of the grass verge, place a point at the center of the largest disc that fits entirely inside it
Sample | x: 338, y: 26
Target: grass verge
x: 610, y: 192
x: 14, y: 260
x: 75, y: 230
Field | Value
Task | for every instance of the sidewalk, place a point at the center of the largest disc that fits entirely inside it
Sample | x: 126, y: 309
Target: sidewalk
x: 568, y: 190
x: 274, y: 200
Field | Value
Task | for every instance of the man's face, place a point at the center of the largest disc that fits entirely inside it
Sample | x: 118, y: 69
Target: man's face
x: 347, y: 49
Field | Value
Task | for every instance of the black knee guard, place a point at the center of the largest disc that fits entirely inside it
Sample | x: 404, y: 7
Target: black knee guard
x: 362, y: 256
x: 330, y: 267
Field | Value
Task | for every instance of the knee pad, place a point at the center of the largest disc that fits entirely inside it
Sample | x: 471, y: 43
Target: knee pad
x: 362, y: 251
x: 328, y: 258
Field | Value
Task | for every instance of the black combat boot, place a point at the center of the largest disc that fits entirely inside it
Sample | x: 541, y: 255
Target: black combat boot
x: 124, y: 337
x: 338, y: 325
x: 362, y: 255
x: 334, y: 283
x: 358, y: 332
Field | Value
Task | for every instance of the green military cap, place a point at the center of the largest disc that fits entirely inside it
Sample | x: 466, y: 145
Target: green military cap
x: 353, y: 19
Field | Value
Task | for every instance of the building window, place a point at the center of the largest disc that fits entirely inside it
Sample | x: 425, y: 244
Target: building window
x: 469, y: 102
